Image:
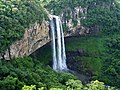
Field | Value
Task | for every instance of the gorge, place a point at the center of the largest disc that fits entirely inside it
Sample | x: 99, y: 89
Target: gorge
x: 91, y: 45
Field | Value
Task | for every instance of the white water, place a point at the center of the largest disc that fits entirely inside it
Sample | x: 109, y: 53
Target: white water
x: 53, y: 44
x: 59, y: 55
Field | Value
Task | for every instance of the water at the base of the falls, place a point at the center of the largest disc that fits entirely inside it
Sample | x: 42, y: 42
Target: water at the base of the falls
x: 59, y: 55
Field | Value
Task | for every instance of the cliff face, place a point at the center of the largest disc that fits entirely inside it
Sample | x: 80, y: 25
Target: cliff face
x: 38, y: 34
x: 34, y: 37
x: 71, y: 18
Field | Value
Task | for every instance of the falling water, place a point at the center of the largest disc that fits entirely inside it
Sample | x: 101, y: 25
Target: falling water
x: 53, y: 44
x: 59, y: 55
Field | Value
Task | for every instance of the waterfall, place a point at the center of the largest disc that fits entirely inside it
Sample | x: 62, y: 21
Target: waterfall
x: 59, y: 55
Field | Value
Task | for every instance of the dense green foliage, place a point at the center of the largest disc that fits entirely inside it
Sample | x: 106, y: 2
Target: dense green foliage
x: 15, y: 17
x: 16, y: 73
x: 28, y: 74
x: 103, y: 59
x: 100, y: 60
x: 111, y: 70
x: 76, y: 85
x: 101, y: 16
x: 93, y: 47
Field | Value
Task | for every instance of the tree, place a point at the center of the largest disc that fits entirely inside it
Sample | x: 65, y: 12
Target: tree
x: 74, y: 84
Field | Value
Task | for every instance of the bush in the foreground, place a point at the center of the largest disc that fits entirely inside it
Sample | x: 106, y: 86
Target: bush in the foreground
x: 75, y: 85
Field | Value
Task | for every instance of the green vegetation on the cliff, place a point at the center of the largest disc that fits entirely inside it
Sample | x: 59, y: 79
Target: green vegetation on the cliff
x: 94, y: 49
x: 102, y: 59
x: 15, y: 17
x: 101, y: 16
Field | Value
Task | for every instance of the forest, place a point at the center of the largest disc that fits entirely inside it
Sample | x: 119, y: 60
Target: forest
x: 99, y: 49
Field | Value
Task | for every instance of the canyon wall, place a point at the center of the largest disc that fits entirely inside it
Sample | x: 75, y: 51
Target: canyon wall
x: 35, y: 37
x: 38, y: 34
x: 71, y: 18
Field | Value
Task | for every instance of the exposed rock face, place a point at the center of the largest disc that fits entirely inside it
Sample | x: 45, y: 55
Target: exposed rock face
x: 38, y: 34
x: 72, y: 19
x: 77, y: 31
x: 35, y: 37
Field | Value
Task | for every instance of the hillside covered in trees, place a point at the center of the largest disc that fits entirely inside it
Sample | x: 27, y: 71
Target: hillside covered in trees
x: 100, y: 48
x: 15, y: 17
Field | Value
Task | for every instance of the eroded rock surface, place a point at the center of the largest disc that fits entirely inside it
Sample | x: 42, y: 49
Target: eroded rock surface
x: 34, y: 37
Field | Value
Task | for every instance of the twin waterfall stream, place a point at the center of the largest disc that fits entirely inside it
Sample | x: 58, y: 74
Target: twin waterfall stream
x: 58, y: 46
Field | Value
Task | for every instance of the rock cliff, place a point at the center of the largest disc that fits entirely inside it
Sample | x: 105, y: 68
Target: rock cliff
x: 71, y: 18
x: 35, y: 37
x: 38, y: 34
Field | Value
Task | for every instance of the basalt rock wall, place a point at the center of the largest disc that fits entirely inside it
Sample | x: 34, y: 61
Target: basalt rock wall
x: 35, y: 37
